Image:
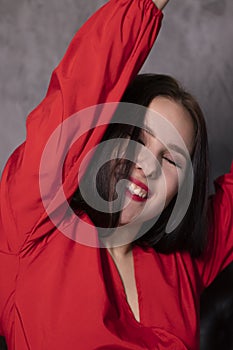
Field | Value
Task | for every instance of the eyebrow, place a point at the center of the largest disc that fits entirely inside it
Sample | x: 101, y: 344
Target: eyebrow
x: 178, y: 149
x: 172, y: 146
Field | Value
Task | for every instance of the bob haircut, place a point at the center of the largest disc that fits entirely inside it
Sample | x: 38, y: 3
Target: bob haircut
x: 191, y: 234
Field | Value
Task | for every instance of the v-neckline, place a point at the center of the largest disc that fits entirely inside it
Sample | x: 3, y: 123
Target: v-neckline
x: 120, y: 286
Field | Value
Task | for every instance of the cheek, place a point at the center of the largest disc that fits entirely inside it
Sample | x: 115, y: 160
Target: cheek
x: 172, y: 184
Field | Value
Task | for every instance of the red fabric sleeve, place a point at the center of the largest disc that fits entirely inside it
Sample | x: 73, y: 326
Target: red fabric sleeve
x: 219, y: 251
x: 101, y: 60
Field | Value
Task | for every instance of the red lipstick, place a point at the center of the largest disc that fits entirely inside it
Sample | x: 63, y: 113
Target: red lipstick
x: 134, y: 196
x: 139, y: 183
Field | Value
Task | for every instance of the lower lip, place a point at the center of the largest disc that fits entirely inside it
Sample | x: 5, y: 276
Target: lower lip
x: 135, y: 197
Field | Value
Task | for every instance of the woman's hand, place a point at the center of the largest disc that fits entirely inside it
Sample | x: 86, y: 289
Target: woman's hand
x: 160, y: 4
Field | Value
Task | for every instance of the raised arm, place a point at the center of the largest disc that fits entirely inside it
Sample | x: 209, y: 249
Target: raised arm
x: 105, y: 54
x: 219, y: 252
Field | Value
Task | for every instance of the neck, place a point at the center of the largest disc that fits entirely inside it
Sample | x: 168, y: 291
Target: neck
x: 119, y: 243
x: 120, y: 252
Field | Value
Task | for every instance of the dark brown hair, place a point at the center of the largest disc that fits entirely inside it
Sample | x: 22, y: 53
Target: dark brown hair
x: 190, y: 235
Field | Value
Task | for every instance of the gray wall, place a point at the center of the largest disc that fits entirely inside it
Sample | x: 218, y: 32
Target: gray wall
x: 195, y: 46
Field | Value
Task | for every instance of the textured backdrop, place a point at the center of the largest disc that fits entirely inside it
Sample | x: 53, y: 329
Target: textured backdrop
x: 195, y: 46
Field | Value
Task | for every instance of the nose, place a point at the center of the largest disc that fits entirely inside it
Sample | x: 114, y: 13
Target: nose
x: 147, y: 161
x: 148, y: 168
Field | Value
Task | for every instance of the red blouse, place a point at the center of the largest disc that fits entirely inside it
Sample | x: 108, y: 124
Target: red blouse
x: 56, y: 293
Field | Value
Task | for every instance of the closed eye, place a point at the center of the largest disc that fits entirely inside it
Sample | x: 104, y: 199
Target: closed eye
x: 172, y: 162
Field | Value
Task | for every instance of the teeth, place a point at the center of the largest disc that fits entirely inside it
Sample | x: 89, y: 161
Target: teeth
x: 134, y: 189
x: 137, y: 191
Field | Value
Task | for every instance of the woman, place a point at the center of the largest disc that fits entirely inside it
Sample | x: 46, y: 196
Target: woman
x: 59, y: 292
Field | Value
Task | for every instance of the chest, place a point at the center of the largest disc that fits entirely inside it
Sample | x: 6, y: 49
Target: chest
x: 67, y: 292
x: 162, y: 292
x: 124, y: 266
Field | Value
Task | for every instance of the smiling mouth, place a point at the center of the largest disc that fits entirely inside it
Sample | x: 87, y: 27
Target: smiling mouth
x: 138, y: 190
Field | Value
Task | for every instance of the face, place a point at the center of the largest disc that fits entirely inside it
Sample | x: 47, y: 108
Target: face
x: 160, y: 162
